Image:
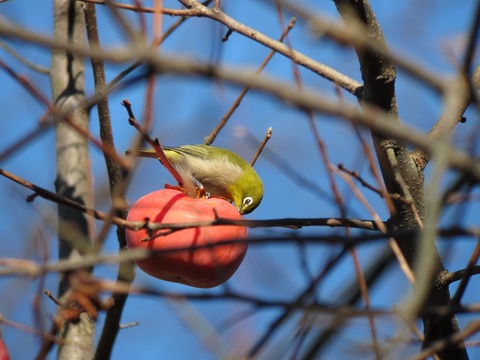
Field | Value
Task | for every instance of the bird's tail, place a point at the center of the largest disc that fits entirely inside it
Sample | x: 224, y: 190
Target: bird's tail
x: 147, y: 153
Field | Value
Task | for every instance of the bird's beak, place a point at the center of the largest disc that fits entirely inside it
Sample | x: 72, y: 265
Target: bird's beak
x: 241, y: 210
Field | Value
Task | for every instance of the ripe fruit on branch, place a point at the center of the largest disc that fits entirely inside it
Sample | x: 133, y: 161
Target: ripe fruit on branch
x: 205, y: 267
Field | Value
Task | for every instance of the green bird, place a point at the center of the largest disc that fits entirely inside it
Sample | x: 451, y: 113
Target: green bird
x: 221, y: 173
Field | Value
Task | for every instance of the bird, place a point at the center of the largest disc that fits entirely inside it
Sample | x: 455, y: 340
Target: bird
x: 217, y: 171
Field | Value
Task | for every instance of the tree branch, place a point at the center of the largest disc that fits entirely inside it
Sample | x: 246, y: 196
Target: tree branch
x: 401, y: 175
x: 125, y: 272
x: 459, y: 90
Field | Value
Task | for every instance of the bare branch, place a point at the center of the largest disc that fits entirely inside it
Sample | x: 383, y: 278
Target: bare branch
x: 143, y: 9
x: 24, y: 60
x: 355, y: 34
x: 459, y: 96
x: 324, y: 71
x: 450, y: 277
x: 117, y: 193
x: 223, y: 121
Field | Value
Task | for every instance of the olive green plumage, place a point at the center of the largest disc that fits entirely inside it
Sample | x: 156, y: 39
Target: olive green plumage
x: 220, y: 172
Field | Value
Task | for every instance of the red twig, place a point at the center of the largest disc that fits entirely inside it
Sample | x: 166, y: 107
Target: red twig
x: 154, y: 143
x: 145, y: 9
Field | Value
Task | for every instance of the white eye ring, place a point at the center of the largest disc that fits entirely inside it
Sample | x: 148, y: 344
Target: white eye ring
x: 248, y: 201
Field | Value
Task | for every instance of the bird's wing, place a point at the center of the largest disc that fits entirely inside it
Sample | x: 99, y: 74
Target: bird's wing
x: 194, y: 150
x: 201, y: 151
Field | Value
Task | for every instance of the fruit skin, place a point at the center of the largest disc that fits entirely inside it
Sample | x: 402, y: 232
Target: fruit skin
x: 202, y: 268
x: 3, y: 350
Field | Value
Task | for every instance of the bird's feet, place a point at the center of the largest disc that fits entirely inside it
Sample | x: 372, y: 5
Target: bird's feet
x: 197, y: 193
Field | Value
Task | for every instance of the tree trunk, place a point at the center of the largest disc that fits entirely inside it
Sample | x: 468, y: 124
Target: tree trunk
x: 73, y: 179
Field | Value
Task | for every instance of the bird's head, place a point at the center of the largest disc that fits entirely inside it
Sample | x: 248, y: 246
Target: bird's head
x: 247, y: 192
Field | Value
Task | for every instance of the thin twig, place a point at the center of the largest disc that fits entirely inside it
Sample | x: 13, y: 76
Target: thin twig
x: 305, y: 294
x: 392, y: 158
x: 46, y: 194
x: 267, y: 137
x: 144, y: 9
x: 23, y: 60
x: 450, y: 277
x: 460, y: 93
x: 366, y: 184
x: 46, y: 122
x: 24, y: 81
x: 403, y: 263
x: 51, y: 297
x: 223, y: 121
x: 100, y: 93
x: 373, y: 165
x: 25, y: 139
x: 467, y: 273
x: 124, y: 24
x: 30, y: 330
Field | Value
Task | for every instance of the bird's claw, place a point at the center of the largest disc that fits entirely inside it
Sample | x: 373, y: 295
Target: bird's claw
x: 201, y: 193
x: 176, y: 187
x: 197, y: 193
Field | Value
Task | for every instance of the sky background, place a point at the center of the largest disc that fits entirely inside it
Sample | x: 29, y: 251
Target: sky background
x: 185, y: 111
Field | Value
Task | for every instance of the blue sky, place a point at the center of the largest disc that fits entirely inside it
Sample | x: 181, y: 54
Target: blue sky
x: 185, y: 112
